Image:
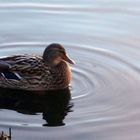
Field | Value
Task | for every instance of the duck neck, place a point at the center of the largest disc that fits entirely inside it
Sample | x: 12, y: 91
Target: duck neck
x: 62, y: 74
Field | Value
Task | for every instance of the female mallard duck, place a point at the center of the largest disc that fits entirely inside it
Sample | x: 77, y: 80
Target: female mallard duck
x: 49, y: 72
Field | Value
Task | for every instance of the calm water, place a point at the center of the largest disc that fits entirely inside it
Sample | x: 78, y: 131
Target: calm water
x: 103, y: 37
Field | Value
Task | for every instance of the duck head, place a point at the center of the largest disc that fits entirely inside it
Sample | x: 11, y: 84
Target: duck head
x: 55, y: 53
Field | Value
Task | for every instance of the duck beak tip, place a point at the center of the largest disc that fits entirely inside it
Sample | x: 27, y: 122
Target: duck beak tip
x: 70, y: 60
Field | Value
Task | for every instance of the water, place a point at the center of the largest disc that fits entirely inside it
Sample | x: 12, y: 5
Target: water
x: 103, y: 38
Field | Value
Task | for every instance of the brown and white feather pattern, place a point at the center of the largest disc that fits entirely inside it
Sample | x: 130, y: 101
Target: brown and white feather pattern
x: 36, y: 74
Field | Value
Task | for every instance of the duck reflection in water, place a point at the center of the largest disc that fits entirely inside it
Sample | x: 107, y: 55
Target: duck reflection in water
x: 54, y: 104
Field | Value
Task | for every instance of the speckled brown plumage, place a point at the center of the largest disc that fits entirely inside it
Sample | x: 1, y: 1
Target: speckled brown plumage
x: 36, y: 74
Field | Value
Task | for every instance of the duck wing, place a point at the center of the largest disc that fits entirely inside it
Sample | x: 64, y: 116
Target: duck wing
x: 5, y: 63
x: 29, y: 72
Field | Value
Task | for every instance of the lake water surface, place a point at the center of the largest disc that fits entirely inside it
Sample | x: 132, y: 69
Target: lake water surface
x: 103, y: 37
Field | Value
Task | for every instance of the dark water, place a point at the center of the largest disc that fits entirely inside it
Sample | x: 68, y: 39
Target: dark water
x: 103, y: 37
x: 53, y: 105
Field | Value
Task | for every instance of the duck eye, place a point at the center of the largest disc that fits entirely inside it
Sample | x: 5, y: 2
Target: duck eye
x: 62, y: 52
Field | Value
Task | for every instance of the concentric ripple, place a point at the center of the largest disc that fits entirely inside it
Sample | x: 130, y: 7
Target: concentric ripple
x: 103, y: 38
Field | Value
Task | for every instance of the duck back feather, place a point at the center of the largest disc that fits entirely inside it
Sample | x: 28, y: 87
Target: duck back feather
x: 32, y: 73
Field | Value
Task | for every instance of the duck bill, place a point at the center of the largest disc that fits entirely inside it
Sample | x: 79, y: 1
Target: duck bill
x: 69, y: 60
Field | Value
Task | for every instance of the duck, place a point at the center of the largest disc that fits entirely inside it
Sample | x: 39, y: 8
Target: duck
x: 51, y: 71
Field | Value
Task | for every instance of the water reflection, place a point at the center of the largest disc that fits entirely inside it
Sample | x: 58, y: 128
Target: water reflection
x: 54, y: 105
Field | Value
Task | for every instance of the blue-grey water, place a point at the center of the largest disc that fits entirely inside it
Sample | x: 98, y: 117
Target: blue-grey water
x: 103, y: 37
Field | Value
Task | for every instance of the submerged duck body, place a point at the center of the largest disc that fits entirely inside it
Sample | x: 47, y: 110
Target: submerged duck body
x: 26, y: 72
